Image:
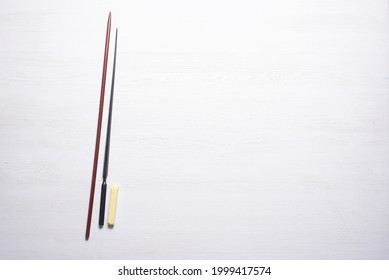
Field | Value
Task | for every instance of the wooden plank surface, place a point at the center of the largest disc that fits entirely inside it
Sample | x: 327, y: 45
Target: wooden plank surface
x: 241, y: 129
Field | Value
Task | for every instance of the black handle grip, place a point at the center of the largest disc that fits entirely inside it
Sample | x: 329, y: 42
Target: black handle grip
x: 102, y: 203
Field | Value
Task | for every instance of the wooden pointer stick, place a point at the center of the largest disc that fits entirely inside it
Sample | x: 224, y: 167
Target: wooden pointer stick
x: 100, y: 116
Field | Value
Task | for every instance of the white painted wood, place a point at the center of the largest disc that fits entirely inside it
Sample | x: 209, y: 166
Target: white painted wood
x: 241, y: 129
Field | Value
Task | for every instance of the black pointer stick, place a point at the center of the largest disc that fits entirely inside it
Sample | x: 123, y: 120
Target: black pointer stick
x: 107, y: 142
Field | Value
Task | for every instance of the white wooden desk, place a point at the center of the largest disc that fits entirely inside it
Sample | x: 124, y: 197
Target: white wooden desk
x: 241, y: 129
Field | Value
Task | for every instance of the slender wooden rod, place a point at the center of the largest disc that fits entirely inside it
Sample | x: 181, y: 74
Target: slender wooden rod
x: 100, y: 116
x: 108, y: 141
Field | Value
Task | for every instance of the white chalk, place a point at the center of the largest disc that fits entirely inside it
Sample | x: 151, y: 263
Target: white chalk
x: 112, y: 205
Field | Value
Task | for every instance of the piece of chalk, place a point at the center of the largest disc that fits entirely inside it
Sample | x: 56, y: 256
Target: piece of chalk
x: 112, y: 205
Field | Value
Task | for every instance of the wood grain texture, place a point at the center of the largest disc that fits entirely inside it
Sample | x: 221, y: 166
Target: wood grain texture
x: 242, y: 129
